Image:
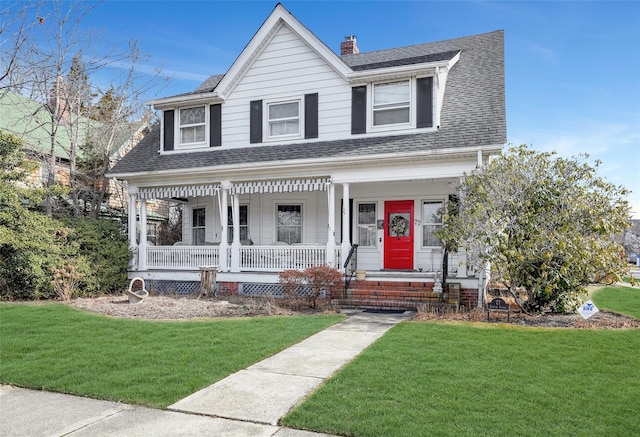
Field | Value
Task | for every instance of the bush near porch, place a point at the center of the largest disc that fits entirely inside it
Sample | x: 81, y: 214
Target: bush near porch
x: 317, y: 279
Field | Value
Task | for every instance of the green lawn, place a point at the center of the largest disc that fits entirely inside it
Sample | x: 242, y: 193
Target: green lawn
x: 623, y: 300
x: 443, y: 379
x: 58, y: 348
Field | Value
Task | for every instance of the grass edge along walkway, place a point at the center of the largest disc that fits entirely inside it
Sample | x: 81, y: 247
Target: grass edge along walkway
x: 154, y: 363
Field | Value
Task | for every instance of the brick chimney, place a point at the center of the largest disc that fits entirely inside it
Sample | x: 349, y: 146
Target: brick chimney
x: 348, y: 46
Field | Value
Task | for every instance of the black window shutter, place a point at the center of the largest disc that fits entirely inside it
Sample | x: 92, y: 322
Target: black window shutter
x: 359, y: 110
x: 215, y: 127
x: 425, y: 102
x: 255, y: 122
x: 168, y: 130
x: 311, y: 115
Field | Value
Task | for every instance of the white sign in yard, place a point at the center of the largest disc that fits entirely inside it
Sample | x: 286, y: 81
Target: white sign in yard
x: 587, y: 309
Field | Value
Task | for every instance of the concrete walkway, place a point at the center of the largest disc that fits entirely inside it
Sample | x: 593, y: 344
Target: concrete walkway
x: 247, y: 403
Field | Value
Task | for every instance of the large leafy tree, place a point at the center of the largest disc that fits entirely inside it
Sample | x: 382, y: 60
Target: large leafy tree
x: 545, y: 224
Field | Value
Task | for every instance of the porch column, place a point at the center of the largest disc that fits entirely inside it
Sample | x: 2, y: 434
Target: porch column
x: 462, y: 263
x: 142, y: 251
x: 346, y: 240
x: 224, y: 214
x: 331, y: 227
x: 483, y: 281
x: 235, y: 245
x: 133, y: 243
x: 132, y: 231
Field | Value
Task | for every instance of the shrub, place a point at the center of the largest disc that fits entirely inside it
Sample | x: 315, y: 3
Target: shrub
x: 105, y: 248
x: 319, y: 279
x: 66, y: 280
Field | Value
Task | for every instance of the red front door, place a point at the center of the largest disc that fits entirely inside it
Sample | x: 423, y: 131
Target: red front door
x: 398, y: 234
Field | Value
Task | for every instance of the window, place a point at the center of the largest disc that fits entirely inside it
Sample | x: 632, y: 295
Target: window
x: 391, y: 103
x: 367, y: 231
x: 192, y: 125
x: 244, y: 223
x: 152, y: 233
x: 431, y: 222
x: 289, y: 223
x: 283, y: 119
x: 198, y: 226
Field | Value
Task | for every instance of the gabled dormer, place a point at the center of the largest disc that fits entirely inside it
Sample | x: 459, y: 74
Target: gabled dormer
x: 396, y: 93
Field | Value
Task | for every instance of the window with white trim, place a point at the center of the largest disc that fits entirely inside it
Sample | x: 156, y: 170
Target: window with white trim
x: 289, y: 223
x: 244, y: 223
x: 283, y: 119
x: 391, y: 103
x: 198, y: 226
x: 367, y: 230
x: 192, y: 125
x: 431, y: 222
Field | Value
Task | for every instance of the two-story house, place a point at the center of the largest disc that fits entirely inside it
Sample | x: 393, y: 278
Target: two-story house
x: 297, y: 154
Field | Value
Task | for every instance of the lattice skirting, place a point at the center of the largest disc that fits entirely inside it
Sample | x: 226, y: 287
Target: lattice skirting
x: 270, y: 290
x: 245, y: 289
x: 174, y: 287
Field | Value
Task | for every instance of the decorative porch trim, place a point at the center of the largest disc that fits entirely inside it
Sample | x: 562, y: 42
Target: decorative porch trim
x: 280, y: 186
x: 178, y: 191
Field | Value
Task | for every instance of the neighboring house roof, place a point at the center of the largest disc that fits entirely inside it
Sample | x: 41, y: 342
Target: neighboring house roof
x: 473, y: 113
x: 31, y: 121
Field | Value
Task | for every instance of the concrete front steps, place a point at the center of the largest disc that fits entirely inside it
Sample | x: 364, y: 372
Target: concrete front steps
x: 389, y: 295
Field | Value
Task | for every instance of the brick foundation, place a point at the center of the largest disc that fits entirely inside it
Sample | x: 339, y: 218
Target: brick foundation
x: 469, y: 297
x: 227, y: 288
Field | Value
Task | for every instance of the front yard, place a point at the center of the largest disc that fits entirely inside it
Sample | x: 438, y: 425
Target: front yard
x: 421, y: 378
x: 446, y: 378
x: 58, y: 348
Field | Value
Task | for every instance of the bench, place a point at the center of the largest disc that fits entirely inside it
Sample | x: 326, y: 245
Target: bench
x: 499, y: 304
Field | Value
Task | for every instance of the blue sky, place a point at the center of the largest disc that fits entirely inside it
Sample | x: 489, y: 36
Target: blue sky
x: 572, y: 68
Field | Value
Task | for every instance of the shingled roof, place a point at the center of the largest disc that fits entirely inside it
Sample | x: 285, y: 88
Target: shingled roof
x: 473, y: 113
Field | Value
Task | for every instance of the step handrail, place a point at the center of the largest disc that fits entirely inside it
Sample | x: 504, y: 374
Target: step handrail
x: 350, y: 267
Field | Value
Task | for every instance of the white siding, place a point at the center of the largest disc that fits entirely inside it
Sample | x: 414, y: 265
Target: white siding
x: 262, y: 223
x: 287, y: 68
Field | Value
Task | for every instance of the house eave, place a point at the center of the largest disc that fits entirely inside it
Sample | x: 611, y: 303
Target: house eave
x: 169, y: 102
x: 359, y: 77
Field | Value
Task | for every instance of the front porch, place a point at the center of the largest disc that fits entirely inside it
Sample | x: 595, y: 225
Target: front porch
x: 252, y: 231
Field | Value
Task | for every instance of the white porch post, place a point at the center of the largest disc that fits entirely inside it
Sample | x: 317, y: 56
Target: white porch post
x: 132, y: 218
x: 224, y: 214
x: 331, y: 226
x: 142, y: 253
x: 346, y: 240
x: 462, y: 263
x: 235, y: 245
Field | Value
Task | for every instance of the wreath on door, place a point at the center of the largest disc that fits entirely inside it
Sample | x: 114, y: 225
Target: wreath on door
x: 399, y: 225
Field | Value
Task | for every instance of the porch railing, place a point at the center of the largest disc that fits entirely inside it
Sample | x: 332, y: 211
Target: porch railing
x: 181, y: 257
x: 275, y: 258
x: 252, y: 258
